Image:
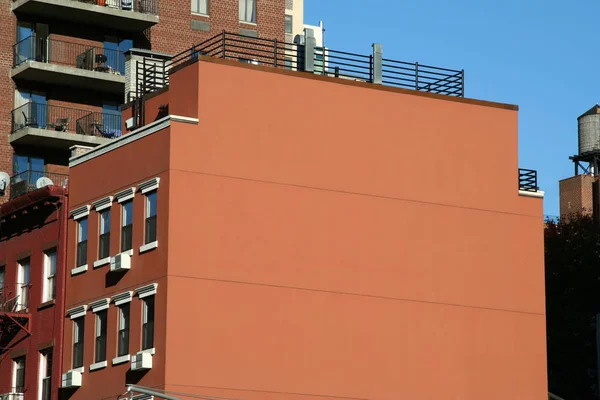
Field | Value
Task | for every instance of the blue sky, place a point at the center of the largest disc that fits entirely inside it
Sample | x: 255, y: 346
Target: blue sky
x: 540, y: 55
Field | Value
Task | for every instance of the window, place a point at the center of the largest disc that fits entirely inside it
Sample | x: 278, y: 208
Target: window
x: 123, y: 340
x: 113, y: 50
x: 49, y: 290
x: 104, y: 242
x: 46, y: 374
x: 248, y: 10
x: 23, y: 284
x: 28, y: 169
x: 200, y: 6
x: 2, y: 274
x: 151, y: 217
x: 288, y: 24
x: 78, y: 330
x: 82, y: 235
x: 148, y: 323
x: 19, y: 374
x: 127, y: 225
x: 100, y: 336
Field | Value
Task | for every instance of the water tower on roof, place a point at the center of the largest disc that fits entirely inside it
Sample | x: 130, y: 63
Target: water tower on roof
x: 588, y: 158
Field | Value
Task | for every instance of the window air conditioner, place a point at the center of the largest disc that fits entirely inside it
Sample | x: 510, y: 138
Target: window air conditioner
x: 141, y: 361
x: 120, y: 262
x: 71, y: 379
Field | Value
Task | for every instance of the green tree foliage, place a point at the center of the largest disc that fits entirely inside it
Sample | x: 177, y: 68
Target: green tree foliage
x: 572, y: 251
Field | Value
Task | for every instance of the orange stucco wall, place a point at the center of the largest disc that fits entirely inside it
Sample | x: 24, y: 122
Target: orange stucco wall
x: 370, y: 244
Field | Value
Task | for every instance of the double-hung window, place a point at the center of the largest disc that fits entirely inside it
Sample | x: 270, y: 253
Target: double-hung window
x: 123, y: 339
x: 248, y: 11
x: 150, y: 228
x: 49, y: 290
x: 126, y: 225
x: 200, y: 7
x: 82, y: 236
x: 23, y: 284
x: 104, y: 239
x: 19, y: 375
x: 100, y: 354
x: 46, y: 374
x: 148, y: 322
x: 78, y: 334
x: 288, y: 24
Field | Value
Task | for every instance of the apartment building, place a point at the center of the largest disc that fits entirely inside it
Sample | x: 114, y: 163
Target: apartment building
x: 255, y: 258
x: 65, y: 64
x: 32, y: 276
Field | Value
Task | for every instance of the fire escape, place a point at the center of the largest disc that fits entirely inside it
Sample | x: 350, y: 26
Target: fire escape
x: 14, y: 314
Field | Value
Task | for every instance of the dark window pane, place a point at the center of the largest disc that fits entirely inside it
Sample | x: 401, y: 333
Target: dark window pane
x: 148, y: 324
x: 78, y: 334
x: 150, y: 229
x: 101, y: 336
x: 123, y: 340
x: 81, y: 253
x: 104, y: 245
x: 126, y: 237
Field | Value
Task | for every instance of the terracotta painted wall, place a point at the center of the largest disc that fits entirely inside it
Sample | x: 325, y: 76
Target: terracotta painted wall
x: 368, y: 250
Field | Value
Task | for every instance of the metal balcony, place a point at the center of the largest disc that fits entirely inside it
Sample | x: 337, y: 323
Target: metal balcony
x: 71, y: 64
x: 28, y: 181
x: 43, y: 125
x: 14, y: 311
x: 122, y: 15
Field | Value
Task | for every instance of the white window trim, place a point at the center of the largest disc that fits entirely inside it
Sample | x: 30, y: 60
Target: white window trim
x: 199, y: 13
x: 98, y: 365
x: 46, y: 287
x: 14, y: 371
x: 152, y: 351
x: 42, y: 371
x: 121, y: 359
x: 77, y: 312
x: 101, y: 262
x: 122, y: 298
x: 149, y: 186
x: 80, y: 212
x: 100, y: 305
x: 103, y: 204
x: 145, y: 291
x: 79, y: 270
x: 148, y: 246
x: 125, y: 195
x: 81, y: 370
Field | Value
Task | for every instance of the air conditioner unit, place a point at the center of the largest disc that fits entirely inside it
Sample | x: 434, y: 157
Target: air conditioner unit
x: 12, y: 396
x: 71, y: 379
x: 120, y: 262
x: 141, y: 361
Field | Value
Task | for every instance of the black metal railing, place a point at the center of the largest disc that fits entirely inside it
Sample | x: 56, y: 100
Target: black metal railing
x: 69, y: 54
x: 28, y: 181
x: 528, y: 180
x: 14, y: 297
x: 64, y: 119
x: 139, y: 6
x: 152, y: 75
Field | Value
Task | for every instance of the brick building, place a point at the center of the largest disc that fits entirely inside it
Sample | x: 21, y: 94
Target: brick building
x: 33, y: 235
x: 258, y: 258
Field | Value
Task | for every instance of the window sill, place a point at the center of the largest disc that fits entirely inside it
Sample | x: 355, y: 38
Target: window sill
x: 248, y: 23
x: 79, y: 270
x: 121, y: 360
x: 195, y: 14
x: 46, y: 304
x: 149, y: 246
x: 81, y: 370
x: 130, y: 252
x: 151, y: 351
x: 98, y: 365
x: 101, y: 262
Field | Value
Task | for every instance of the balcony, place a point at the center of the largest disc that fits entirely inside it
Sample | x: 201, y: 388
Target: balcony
x: 122, y: 15
x: 70, y: 64
x: 14, y: 313
x: 28, y: 181
x: 57, y: 127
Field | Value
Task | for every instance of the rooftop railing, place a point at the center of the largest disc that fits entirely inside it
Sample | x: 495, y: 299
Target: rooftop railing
x: 528, y: 180
x: 77, y: 55
x: 64, y: 119
x: 152, y: 75
x: 28, y: 181
x: 140, y: 6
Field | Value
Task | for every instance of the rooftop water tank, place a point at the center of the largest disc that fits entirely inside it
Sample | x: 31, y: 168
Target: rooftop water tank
x: 589, y: 130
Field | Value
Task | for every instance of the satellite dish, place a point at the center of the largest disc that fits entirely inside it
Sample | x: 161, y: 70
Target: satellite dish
x: 4, y: 181
x: 43, y: 181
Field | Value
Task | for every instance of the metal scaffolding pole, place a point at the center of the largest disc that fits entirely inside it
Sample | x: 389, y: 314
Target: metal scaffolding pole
x: 142, y: 390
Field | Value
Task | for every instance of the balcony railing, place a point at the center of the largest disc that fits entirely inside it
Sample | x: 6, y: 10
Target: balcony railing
x: 141, y: 6
x: 28, y: 181
x: 528, y: 180
x: 14, y: 297
x: 64, y: 119
x: 69, y: 54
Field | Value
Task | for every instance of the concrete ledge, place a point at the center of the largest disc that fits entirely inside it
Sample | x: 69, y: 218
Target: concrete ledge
x: 54, y: 139
x: 525, y: 193
x: 121, y: 360
x: 79, y: 270
x: 98, y: 365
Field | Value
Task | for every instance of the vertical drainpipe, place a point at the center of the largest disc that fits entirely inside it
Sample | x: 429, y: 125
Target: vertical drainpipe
x: 61, y: 252
x: 377, y: 63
